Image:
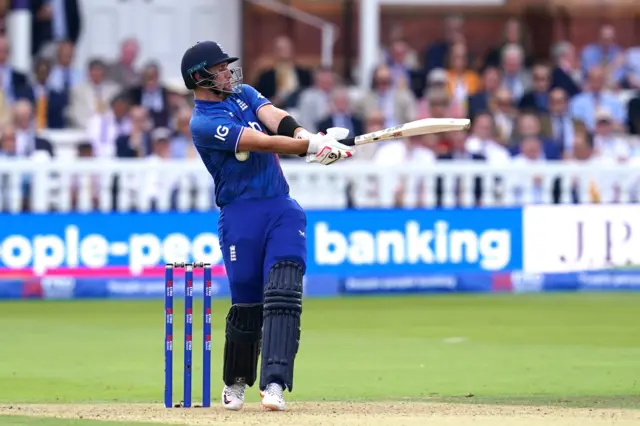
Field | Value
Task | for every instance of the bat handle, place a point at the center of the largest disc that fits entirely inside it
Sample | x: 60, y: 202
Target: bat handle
x: 348, y: 141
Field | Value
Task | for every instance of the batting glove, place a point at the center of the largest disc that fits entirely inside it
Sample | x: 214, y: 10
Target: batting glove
x: 325, y: 149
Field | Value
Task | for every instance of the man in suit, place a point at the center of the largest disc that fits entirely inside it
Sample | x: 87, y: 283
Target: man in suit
x: 515, y: 77
x: 633, y: 112
x: 138, y: 142
x: 285, y: 79
x: 53, y: 21
x: 437, y: 53
x: 64, y: 76
x: 13, y: 84
x: 27, y: 141
x: 91, y: 97
x: 537, y: 100
x: 566, y: 72
x: 341, y: 115
x: 123, y: 71
x: 558, y: 125
x: 528, y: 126
x: 152, y: 95
x: 49, y: 104
x: 491, y: 81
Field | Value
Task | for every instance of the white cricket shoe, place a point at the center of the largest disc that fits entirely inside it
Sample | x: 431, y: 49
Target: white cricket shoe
x: 273, y: 397
x: 233, y: 397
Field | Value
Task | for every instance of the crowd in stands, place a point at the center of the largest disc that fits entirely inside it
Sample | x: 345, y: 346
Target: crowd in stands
x: 581, y: 104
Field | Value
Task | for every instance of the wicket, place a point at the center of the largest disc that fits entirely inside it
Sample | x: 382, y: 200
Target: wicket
x: 188, y: 334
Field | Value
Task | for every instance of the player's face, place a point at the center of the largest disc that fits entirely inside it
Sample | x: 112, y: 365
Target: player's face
x: 223, y: 76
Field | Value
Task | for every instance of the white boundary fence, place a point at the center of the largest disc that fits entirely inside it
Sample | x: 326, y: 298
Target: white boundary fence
x: 144, y: 185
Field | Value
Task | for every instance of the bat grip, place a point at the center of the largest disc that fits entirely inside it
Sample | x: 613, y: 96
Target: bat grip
x: 348, y: 141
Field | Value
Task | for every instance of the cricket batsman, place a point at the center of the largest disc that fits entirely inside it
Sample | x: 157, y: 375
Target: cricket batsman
x: 261, y: 228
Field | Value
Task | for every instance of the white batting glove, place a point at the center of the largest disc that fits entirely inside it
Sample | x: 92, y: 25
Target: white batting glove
x: 325, y: 149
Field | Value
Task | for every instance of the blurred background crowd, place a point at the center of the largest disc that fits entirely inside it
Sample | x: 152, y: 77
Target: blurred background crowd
x: 582, y: 103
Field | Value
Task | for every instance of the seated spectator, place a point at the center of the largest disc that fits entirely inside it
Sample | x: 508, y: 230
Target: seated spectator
x: 5, y: 8
x: 397, y: 104
x: 558, y: 125
x: 374, y: 122
x: 438, y: 51
x: 91, y: 97
x: 123, y: 71
x: 537, y: 99
x: 482, y: 141
x: 410, y: 151
x: 491, y: 81
x: 64, y: 76
x: 604, y: 53
x: 27, y: 141
x: 138, y: 142
x: 462, y: 81
x: 439, y: 107
x: 314, y: 102
x: 81, y: 200
x: 104, y: 129
x: 13, y: 84
x: 49, y: 103
x: 181, y: 145
x: 583, y: 153
x: 513, y: 34
x: 530, y: 154
x: 633, y: 112
x: 607, y: 142
x: 438, y: 97
x: 341, y: 115
x: 505, y: 114
x: 285, y: 79
x: 528, y: 126
x: 410, y: 58
x: 566, y: 74
x: 584, y: 106
x: 401, y: 69
x: 632, y: 68
x: 515, y: 77
x: 152, y: 95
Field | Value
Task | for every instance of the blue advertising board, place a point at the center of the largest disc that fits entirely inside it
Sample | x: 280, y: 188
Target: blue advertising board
x: 340, y: 243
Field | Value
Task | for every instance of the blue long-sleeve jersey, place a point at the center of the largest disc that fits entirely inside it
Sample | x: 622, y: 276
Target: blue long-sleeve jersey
x: 216, y: 128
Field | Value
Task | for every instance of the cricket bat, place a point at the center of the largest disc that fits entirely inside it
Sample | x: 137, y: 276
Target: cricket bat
x: 414, y: 128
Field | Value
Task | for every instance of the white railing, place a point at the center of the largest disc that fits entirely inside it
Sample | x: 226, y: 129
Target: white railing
x: 184, y: 185
x: 328, y: 30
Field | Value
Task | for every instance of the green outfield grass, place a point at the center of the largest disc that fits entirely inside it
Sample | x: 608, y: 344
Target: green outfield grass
x: 577, y: 349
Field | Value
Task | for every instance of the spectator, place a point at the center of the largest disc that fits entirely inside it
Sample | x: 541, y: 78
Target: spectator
x: 513, y: 34
x: 605, y: 53
x: 410, y: 58
x: 8, y: 142
x: 123, y: 71
x: 182, y: 143
x: 5, y: 8
x: 91, y: 97
x: 480, y: 102
x: 633, y: 112
x: 402, y: 74
x: 530, y: 154
x: 49, y: 103
x: 583, y: 153
x: 374, y: 121
x: 459, y: 151
x: 462, y: 81
x: 410, y: 151
x: 341, y: 115
x: 13, y: 84
x: 84, y: 151
x: 528, y: 125
x: 54, y: 21
x: 438, y: 96
x: 397, y: 104
x: 504, y: 114
x: 482, y: 141
x: 515, y: 77
x: 64, y: 77
x: 138, y: 142
x: 285, y: 79
x: 152, y: 95
x: 558, y: 125
x: 632, y: 68
x: 584, y: 105
x: 437, y: 53
x: 439, y: 107
x: 27, y: 142
x: 104, y: 129
x: 607, y: 142
x: 315, y: 102
x: 566, y: 74
x: 537, y: 100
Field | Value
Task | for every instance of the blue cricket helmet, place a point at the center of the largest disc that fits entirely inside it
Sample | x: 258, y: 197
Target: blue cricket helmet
x: 201, y: 56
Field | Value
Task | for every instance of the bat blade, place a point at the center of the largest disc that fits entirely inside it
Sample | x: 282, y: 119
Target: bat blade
x: 415, y: 128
